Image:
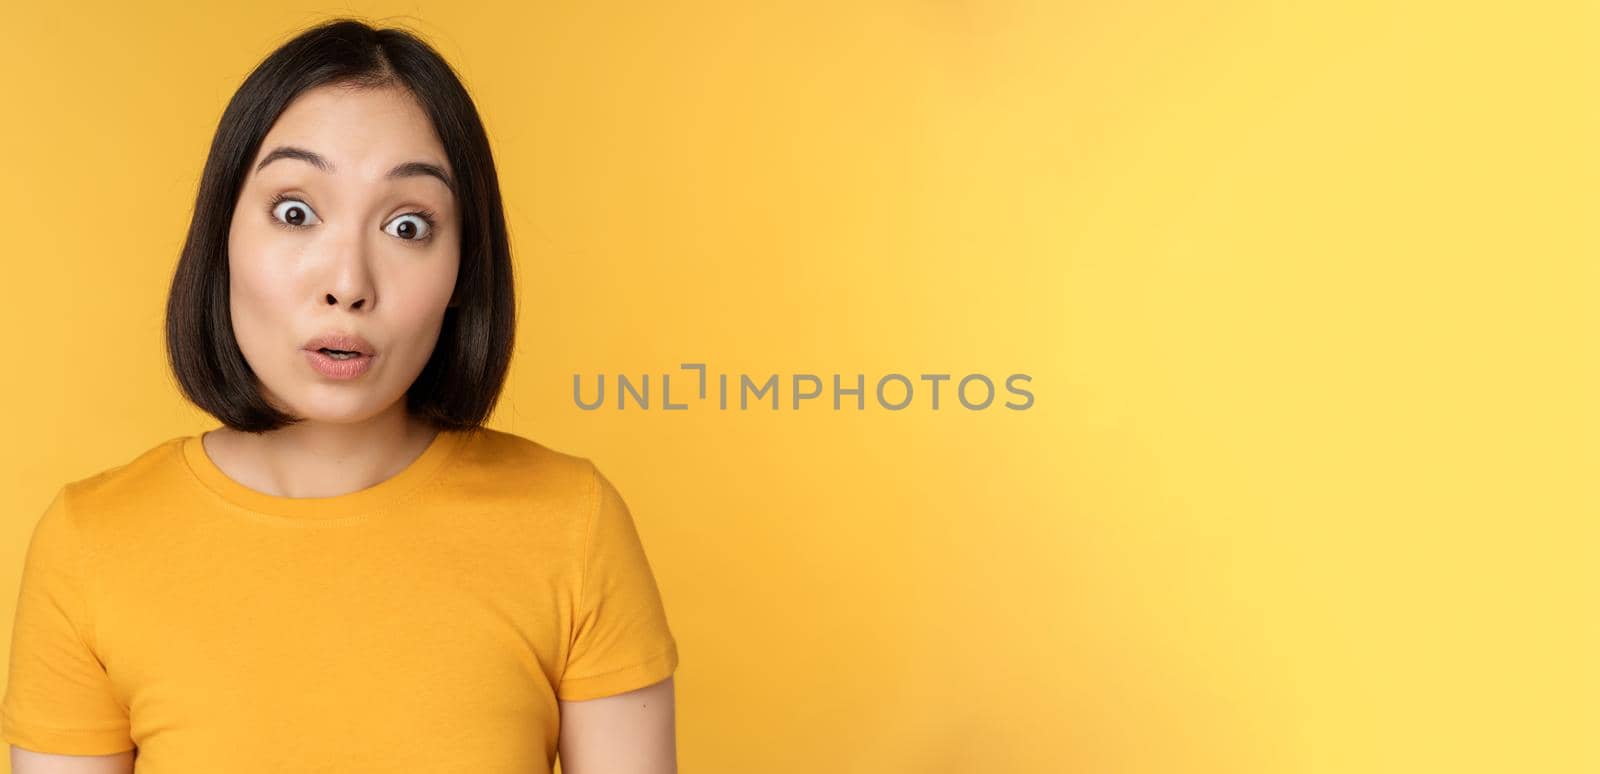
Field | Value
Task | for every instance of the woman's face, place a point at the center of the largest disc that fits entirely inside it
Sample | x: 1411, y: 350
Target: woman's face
x: 341, y: 243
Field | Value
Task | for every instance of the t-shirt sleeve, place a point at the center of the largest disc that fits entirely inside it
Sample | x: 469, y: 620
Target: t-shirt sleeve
x: 58, y: 698
x: 620, y: 637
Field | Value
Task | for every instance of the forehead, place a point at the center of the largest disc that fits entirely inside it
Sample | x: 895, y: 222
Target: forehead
x: 362, y: 131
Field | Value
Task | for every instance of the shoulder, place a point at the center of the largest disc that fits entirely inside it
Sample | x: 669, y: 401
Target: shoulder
x: 140, y: 483
x: 502, y: 461
x: 139, y: 476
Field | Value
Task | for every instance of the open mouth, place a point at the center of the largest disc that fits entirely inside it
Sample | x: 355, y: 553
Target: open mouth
x: 339, y: 354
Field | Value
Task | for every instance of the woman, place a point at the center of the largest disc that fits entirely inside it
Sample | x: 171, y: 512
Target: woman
x: 352, y: 574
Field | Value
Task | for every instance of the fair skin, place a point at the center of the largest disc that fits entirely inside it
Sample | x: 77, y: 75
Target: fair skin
x: 362, y: 261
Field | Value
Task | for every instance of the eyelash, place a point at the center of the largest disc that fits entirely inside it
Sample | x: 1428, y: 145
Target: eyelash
x: 427, y: 217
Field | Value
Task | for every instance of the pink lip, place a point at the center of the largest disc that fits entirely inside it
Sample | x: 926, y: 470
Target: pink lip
x: 349, y: 342
x: 338, y: 369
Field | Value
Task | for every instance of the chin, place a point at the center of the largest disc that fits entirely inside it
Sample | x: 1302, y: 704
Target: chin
x: 339, y: 412
x: 335, y: 404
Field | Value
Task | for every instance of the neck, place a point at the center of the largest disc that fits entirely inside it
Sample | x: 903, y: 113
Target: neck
x: 321, y: 459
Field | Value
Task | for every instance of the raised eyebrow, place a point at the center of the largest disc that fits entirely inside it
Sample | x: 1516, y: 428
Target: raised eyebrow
x: 423, y: 168
x: 408, y: 169
x: 291, y: 152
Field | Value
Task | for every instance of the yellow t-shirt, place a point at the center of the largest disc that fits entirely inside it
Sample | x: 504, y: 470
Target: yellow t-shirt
x: 428, y: 623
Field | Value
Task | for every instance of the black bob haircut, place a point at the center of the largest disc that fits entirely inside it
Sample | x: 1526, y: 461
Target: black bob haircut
x: 462, y: 380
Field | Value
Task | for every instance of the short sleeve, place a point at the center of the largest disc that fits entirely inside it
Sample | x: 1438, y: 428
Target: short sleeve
x: 58, y: 698
x: 620, y: 637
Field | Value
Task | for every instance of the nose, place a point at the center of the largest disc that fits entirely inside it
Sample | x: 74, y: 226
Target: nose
x: 349, y: 278
x: 333, y: 300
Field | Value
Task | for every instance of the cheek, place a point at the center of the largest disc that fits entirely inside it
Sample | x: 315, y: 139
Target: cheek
x: 426, y: 287
x: 416, y: 305
x: 426, y: 295
x: 258, y: 291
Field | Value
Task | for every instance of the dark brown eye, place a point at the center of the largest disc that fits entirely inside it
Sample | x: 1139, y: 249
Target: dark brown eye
x: 412, y: 226
x: 293, y: 212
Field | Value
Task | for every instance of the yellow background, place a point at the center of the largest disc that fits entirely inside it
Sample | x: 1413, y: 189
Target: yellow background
x: 1306, y: 292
